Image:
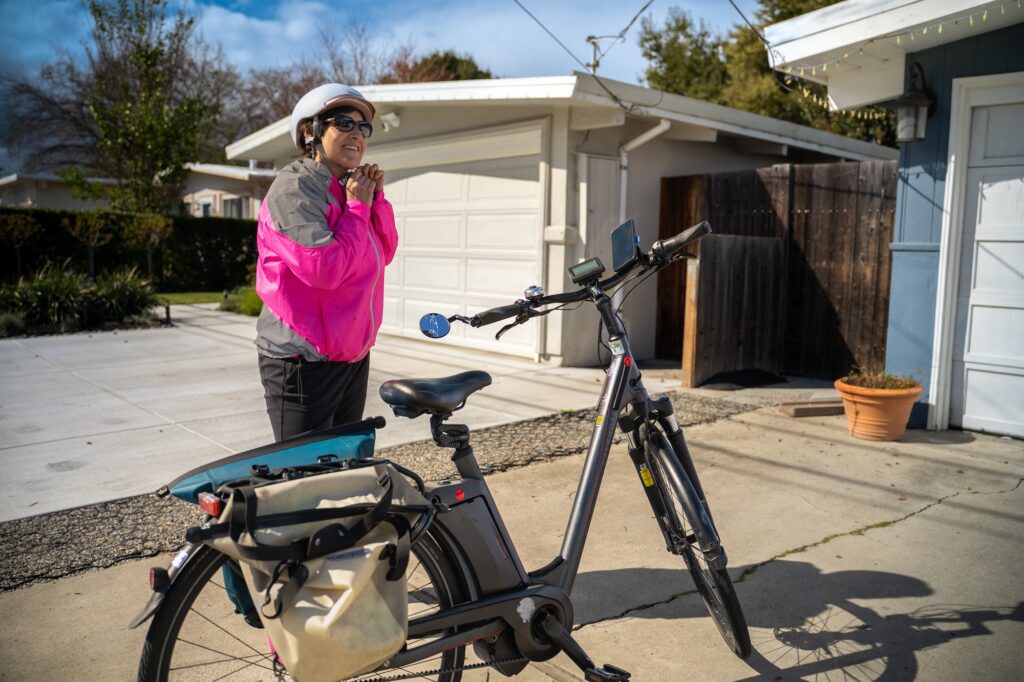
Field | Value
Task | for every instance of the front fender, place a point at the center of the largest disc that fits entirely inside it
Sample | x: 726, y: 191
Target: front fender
x: 153, y: 605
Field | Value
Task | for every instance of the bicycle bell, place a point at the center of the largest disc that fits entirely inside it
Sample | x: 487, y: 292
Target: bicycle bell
x: 533, y: 292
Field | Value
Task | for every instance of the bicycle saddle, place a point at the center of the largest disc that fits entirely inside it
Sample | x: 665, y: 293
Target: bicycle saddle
x: 413, y: 397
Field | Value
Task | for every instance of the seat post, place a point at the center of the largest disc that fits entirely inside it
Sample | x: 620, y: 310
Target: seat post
x: 456, y: 436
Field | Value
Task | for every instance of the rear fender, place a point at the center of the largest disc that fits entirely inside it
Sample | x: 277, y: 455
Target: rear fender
x: 183, y: 556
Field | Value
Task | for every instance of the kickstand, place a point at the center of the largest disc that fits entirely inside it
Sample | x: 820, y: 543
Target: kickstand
x: 557, y: 633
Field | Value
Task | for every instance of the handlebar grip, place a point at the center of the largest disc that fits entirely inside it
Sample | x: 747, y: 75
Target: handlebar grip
x: 667, y: 247
x: 497, y: 314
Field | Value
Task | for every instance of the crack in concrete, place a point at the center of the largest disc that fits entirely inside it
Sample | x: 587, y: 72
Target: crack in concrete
x: 750, y: 570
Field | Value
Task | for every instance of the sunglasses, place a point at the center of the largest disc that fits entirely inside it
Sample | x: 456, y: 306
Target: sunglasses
x: 347, y: 124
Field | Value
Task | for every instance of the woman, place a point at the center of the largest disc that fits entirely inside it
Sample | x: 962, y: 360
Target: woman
x: 325, y: 234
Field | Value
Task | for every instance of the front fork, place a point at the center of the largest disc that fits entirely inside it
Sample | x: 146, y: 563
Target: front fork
x: 703, y: 534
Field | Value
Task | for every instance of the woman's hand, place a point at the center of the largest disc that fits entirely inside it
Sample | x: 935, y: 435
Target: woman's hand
x: 373, y: 172
x: 360, y: 186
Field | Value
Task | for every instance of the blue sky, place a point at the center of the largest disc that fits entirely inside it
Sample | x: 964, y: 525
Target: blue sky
x: 273, y: 33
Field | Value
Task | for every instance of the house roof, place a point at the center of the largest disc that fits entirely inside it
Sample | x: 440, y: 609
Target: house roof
x: 857, y: 48
x: 584, y: 91
x: 233, y: 172
x: 15, y: 178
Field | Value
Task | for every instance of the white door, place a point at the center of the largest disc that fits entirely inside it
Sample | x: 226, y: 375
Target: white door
x: 988, y: 354
x: 470, y: 238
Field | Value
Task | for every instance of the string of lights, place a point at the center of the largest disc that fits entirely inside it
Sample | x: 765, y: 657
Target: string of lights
x: 959, y: 23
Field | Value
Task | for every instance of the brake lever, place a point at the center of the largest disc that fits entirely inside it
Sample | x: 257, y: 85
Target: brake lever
x: 522, y: 317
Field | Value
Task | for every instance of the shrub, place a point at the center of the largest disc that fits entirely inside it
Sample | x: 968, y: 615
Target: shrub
x: 879, y: 380
x: 243, y: 300
x: 124, y: 294
x: 11, y: 324
x: 59, y: 299
x: 53, y: 299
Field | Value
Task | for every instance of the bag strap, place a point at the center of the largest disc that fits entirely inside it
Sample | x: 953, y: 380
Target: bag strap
x: 331, y: 538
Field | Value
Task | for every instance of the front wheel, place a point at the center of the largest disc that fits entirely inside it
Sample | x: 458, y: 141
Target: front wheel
x: 197, y: 635
x: 713, y: 584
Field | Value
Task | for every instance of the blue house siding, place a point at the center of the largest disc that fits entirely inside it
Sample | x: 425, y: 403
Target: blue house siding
x: 919, y: 200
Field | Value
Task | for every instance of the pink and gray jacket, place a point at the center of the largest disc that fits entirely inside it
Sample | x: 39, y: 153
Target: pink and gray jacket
x: 320, y: 270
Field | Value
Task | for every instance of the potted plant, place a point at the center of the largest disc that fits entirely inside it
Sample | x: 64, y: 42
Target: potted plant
x: 877, y: 405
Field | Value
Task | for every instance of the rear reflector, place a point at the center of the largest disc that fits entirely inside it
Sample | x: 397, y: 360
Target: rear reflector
x: 159, y: 580
x: 210, y: 504
x: 460, y: 494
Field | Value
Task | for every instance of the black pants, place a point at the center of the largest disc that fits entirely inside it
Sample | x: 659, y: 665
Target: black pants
x: 307, y: 396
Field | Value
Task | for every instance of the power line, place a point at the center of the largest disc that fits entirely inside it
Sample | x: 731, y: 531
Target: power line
x: 553, y: 36
x: 620, y: 37
x: 629, y: 108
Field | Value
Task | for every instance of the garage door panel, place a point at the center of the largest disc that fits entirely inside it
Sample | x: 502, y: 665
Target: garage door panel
x: 393, y: 274
x: 432, y: 272
x: 515, y: 184
x: 1000, y: 266
x: 502, y: 231
x: 439, y: 231
x: 1000, y: 193
x: 392, y: 320
x: 499, y: 277
x: 995, y: 401
x: 433, y: 187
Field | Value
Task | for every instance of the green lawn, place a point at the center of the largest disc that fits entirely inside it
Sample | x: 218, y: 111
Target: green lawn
x: 180, y: 297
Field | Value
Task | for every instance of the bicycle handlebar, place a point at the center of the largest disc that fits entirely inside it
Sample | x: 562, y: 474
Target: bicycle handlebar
x: 660, y: 256
x: 492, y: 315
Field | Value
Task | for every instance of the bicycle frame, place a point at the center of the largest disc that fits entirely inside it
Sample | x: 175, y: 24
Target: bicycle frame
x: 508, y: 596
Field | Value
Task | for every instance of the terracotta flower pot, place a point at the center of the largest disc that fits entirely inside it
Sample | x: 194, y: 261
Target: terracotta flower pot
x: 877, y: 413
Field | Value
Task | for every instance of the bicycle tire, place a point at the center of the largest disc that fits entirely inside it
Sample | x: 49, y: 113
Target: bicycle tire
x: 198, y: 582
x: 713, y: 584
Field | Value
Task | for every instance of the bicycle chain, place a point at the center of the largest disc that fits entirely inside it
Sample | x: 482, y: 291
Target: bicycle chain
x: 441, y: 671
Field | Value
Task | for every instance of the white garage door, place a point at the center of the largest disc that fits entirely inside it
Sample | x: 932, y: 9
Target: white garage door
x: 988, y: 353
x: 470, y: 238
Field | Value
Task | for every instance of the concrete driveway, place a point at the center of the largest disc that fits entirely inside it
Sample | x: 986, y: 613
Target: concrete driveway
x: 87, y: 418
x: 852, y: 560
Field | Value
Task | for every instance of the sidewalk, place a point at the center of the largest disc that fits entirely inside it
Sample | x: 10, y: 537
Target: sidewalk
x: 87, y: 418
x: 854, y: 560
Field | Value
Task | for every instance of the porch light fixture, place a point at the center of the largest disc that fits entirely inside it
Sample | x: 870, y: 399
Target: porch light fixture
x: 913, y: 107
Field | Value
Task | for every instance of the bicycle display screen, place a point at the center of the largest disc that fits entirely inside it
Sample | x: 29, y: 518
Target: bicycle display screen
x: 587, y: 271
x: 624, y: 250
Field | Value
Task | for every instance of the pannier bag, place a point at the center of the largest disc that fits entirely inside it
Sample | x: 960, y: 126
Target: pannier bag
x: 324, y: 555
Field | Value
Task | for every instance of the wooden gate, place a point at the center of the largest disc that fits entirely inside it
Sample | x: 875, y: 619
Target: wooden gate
x: 795, y: 277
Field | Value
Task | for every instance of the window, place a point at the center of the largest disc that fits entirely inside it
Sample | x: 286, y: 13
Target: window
x: 236, y: 207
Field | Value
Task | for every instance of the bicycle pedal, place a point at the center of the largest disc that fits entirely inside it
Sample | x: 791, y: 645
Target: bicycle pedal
x: 606, y: 673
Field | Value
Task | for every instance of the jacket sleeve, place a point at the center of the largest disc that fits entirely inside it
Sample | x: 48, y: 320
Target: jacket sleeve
x: 300, y: 235
x: 382, y: 216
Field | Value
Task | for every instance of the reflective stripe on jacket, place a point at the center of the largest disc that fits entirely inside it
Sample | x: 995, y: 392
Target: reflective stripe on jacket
x: 321, y: 263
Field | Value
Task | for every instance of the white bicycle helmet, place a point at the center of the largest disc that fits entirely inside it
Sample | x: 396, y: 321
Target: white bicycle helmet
x: 322, y: 99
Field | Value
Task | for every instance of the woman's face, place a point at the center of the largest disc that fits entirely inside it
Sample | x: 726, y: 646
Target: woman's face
x: 345, y: 149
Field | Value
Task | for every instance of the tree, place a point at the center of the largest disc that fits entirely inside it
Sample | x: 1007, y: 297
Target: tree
x: 146, y: 231
x: 684, y: 58
x: 137, y: 110
x: 737, y: 73
x: 436, y: 66
x: 92, y: 229
x: 18, y: 229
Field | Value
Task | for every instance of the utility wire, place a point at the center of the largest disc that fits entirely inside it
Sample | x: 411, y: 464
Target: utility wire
x: 620, y: 37
x: 628, y: 108
x: 553, y: 36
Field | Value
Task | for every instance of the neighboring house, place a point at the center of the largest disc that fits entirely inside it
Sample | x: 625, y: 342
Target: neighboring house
x: 44, y: 190
x: 956, y: 313
x: 210, y: 190
x: 214, y: 189
x: 502, y: 184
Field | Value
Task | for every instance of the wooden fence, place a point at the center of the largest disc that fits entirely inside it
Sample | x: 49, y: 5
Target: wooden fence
x: 795, y: 277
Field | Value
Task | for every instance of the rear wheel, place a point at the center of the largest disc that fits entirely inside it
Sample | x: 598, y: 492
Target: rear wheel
x: 713, y: 584
x: 197, y: 635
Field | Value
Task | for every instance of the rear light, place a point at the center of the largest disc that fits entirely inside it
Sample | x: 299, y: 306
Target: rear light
x: 460, y: 495
x: 210, y: 504
x: 159, y: 580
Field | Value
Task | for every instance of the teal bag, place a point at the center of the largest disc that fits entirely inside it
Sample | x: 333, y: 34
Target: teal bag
x: 348, y: 441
